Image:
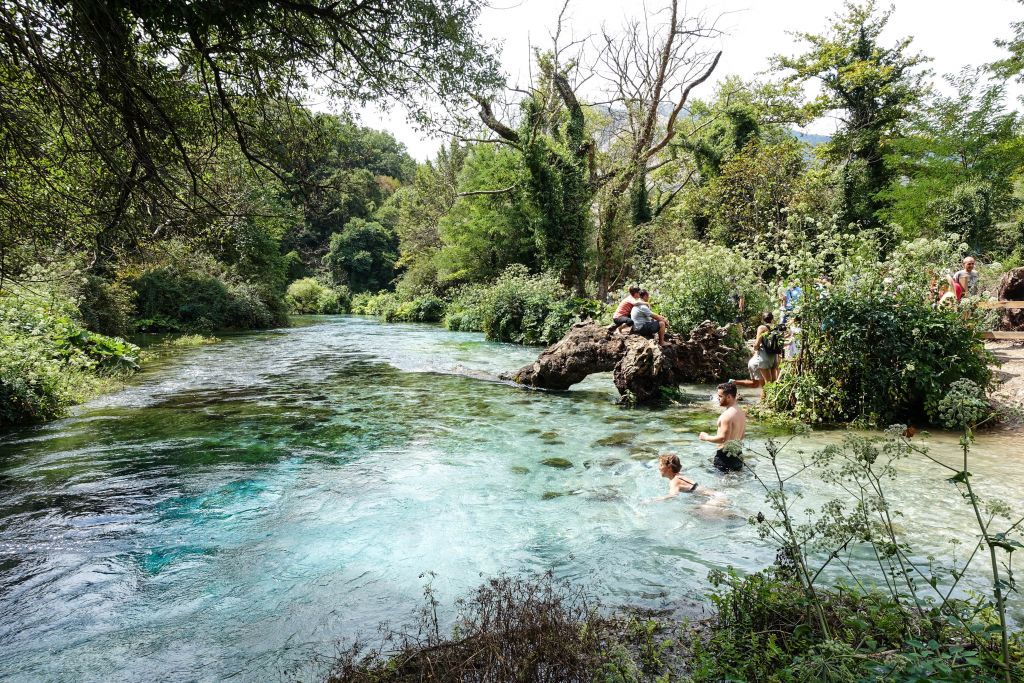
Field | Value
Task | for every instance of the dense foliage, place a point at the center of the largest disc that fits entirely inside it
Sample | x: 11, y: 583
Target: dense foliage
x: 312, y: 297
x: 707, y: 282
x: 517, y: 307
x: 48, y: 361
x: 879, y: 356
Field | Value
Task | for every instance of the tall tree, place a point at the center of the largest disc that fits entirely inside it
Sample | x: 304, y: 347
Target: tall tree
x: 651, y: 70
x: 147, y: 92
x: 958, y: 163
x: 872, y: 88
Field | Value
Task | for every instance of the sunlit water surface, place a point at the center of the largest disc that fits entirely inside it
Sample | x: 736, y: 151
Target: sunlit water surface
x: 242, y: 507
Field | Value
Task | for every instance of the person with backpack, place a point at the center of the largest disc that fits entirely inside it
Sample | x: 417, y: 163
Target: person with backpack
x: 769, y: 344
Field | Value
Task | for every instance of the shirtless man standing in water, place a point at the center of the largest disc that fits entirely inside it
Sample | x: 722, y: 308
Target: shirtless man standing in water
x: 732, y: 425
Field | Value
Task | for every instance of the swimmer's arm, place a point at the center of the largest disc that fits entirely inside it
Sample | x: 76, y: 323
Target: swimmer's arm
x: 673, y: 491
x: 719, y: 437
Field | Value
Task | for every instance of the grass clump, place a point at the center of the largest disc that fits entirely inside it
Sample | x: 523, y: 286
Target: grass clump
x: 516, y: 629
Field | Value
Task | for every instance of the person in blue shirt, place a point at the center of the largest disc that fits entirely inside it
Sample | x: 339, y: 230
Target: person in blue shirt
x: 790, y: 298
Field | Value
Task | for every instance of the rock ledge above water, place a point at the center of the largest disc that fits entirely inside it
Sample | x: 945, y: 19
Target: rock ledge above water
x: 640, y: 367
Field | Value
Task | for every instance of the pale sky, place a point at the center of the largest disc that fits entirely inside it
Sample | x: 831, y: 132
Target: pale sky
x: 953, y: 34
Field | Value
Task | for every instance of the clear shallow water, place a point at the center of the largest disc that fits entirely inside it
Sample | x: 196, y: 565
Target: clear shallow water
x: 243, y: 506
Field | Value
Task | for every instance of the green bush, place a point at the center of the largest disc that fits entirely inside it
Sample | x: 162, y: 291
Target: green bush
x: 107, y: 307
x: 517, y: 307
x: 309, y: 296
x: 963, y: 407
x: 179, y: 298
x: 879, y: 356
x: 567, y: 312
x: 48, y: 361
x: 465, y: 311
x: 701, y: 282
x: 381, y: 304
x: 518, y: 304
x: 390, y: 307
x: 423, y: 309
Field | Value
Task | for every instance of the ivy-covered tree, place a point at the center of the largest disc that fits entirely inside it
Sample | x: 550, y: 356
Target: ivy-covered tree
x: 485, y: 231
x: 740, y: 117
x: 752, y: 193
x: 649, y: 69
x: 872, y: 88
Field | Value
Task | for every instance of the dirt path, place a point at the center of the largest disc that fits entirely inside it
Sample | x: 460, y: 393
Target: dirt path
x: 1009, y: 391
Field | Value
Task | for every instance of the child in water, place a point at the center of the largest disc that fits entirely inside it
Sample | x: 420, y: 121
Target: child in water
x: 669, y: 467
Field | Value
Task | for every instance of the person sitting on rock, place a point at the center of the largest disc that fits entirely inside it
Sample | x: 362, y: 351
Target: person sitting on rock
x: 645, y: 322
x: 621, y: 319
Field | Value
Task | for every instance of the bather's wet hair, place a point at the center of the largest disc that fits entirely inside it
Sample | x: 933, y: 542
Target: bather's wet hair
x: 728, y: 388
x: 672, y: 460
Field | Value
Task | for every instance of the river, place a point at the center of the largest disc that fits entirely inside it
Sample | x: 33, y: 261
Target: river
x: 240, y: 507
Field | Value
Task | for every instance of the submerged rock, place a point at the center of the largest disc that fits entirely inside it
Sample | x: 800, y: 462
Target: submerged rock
x: 560, y: 463
x: 616, y: 439
x: 640, y: 366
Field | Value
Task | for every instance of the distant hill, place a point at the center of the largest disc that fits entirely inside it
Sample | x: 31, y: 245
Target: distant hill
x: 811, y: 138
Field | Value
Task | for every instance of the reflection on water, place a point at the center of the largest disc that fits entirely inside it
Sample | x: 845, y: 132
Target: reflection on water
x: 244, y: 505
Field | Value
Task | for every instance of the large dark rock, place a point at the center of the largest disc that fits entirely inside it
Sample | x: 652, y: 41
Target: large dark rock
x: 641, y: 367
x: 1011, y: 288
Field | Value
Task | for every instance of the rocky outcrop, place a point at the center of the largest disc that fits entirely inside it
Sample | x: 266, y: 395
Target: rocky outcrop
x: 640, y: 366
x: 1011, y: 288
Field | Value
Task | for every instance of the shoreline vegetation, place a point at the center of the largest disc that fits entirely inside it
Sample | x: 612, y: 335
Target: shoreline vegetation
x: 161, y: 175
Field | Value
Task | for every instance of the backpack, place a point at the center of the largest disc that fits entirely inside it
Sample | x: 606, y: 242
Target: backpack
x: 773, y: 340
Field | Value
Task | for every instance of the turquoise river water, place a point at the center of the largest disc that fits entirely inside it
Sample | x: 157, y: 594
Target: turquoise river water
x: 242, y: 507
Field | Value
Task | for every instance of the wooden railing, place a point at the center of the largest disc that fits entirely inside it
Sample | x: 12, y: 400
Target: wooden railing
x: 1003, y: 336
